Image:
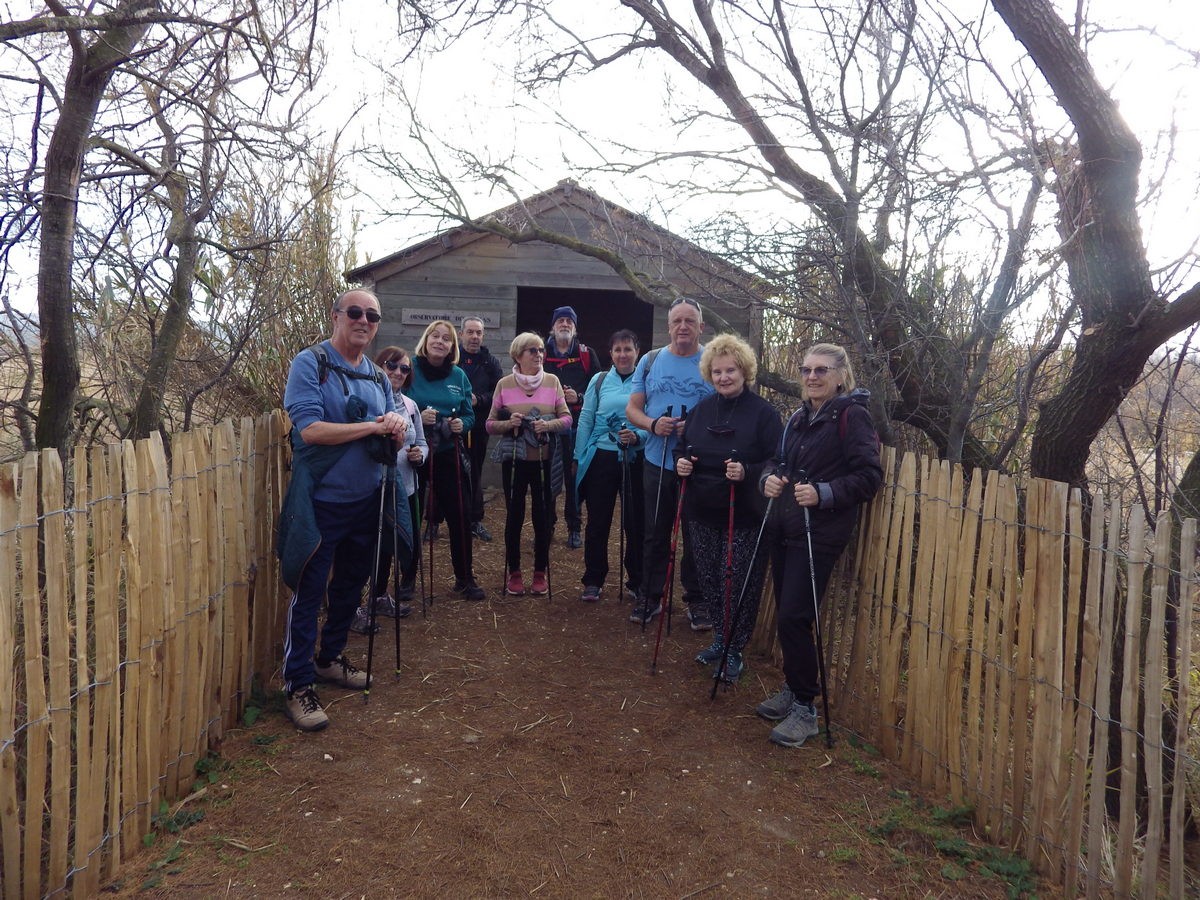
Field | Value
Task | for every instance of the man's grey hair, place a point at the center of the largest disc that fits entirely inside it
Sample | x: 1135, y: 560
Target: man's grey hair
x: 466, y: 319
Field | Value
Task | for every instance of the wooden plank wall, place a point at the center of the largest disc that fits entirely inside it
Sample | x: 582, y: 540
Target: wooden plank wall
x: 138, y: 600
x: 974, y: 632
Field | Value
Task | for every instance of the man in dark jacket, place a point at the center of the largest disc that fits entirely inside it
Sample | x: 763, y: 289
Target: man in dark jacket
x: 484, y: 371
x: 574, y: 364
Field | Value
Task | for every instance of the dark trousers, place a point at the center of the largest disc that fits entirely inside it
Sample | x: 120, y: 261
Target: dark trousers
x: 348, y: 535
x: 570, y: 502
x: 657, y: 547
x: 451, y: 495
x: 795, y: 613
x: 604, y: 481
x: 386, y: 553
x: 478, y: 447
x: 533, y: 477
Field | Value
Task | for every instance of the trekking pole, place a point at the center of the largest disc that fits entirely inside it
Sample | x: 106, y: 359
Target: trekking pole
x: 670, y: 613
x: 429, y: 518
x: 418, y: 518
x: 464, y: 533
x: 624, y: 461
x: 505, y: 413
x: 389, y: 472
x: 802, y: 478
x: 547, y: 500
x: 669, y: 586
x: 661, y: 467
x: 737, y: 609
x: 725, y: 611
x: 396, y: 564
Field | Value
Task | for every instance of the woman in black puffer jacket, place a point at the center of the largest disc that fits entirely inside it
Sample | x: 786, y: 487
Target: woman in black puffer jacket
x: 830, y: 456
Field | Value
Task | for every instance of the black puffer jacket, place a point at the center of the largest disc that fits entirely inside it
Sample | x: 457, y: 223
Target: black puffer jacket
x: 483, y: 371
x: 837, y: 450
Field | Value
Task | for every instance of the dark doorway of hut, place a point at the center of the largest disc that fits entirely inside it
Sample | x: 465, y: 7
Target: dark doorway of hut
x: 600, y: 314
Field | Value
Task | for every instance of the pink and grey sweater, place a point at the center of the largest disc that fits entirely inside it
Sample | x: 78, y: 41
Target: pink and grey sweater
x: 547, y: 399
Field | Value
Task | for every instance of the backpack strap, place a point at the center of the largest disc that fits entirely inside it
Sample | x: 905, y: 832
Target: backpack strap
x: 596, y: 385
x: 324, y: 367
x: 585, y: 358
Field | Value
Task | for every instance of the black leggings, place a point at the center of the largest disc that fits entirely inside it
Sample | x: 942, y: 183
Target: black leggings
x: 452, y: 495
x: 532, y: 476
x: 794, y: 613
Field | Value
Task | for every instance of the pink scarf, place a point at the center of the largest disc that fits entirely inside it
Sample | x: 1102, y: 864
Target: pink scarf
x: 529, y: 382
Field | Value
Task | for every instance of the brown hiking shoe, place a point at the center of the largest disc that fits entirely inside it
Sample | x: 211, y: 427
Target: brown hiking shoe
x: 341, y: 672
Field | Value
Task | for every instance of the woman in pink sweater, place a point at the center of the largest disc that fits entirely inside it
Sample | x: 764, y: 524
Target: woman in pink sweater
x: 528, y: 410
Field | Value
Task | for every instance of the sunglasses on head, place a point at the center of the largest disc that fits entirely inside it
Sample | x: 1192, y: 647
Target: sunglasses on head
x: 394, y: 364
x: 357, y: 312
x: 688, y: 300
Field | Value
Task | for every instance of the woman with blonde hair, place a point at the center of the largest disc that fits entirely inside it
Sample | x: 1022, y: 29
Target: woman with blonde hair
x: 442, y: 391
x: 528, y: 410
x: 728, y: 443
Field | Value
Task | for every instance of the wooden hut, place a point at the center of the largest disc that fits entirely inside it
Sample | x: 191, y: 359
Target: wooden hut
x: 514, y: 287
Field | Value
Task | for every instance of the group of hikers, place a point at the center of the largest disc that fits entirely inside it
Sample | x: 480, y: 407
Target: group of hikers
x: 702, y: 469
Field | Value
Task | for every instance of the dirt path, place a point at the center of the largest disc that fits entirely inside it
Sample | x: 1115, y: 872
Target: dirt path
x: 526, y: 750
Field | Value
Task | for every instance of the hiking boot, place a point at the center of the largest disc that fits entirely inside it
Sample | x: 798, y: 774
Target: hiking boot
x: 574, y: 541
x: 798, y: 727
x: 469, y: 589
x: 480, y: 532
x: 698, y: 618
x: 644, y: 610
x: 734, y: 666
x: 304, y: 709
x: 340, y: 671
x: 778, y: 705
x: 386, y: 606
x: 711, y: 654
x: 406, y: 593
x: 362, y: 622
x: 515, y: 585
x: 539, y: 587
x: 591, y: 593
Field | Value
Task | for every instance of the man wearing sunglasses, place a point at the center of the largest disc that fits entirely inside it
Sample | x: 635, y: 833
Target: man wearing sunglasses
x: 344, y: 424
x: 484, y: 371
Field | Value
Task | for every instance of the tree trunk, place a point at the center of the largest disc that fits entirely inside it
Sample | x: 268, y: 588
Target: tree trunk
x: 92, y: 68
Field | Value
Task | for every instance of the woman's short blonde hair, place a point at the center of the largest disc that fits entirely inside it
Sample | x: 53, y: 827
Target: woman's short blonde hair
x: 453, y: 357
x: 523, y: 342
x: 733, y: 347
x: 841, y: 360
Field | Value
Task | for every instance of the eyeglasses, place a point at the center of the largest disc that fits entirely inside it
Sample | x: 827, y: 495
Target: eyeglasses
x: 357, y: 312
x: 394, y: 364
x: 541, y: 350
x: 819, y: 371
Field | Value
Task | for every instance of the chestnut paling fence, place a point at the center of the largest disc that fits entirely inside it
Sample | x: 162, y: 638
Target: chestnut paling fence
x: 985, y: 635
x: 1012, y: 653
x: 132, y: 621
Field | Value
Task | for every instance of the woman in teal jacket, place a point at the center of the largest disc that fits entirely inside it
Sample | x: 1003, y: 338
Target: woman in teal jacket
x: 608, y: 458
x: 442, y: 393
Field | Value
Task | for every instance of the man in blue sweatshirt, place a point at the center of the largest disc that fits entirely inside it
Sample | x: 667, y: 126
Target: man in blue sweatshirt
x: 344, y: 426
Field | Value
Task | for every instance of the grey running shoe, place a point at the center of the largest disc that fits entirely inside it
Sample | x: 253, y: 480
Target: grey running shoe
x: 644, y: 610
x: 574, y: 541
x: 777, y: 706
x: 341, y: 672
x: 386, y: 606
x: 480, y: 532
x: 698, y: 618
x: 591, y: 594
x: 304, y: 709
x: 711, y: 654
x: 362, y: 622
x: 798, y: 727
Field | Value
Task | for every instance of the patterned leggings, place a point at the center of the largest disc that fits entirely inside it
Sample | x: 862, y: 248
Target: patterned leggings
x: 709, y: 550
